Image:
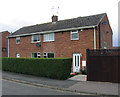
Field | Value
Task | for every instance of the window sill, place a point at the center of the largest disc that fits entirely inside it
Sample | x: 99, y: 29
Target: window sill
x: 74, y: 39
x: 36, y: 42
x: 49, y: 41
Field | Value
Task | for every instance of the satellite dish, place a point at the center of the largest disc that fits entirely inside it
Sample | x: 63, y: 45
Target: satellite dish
x: 38, y: 44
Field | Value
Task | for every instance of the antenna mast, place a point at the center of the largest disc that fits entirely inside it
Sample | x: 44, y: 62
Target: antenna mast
x: 55, y: 11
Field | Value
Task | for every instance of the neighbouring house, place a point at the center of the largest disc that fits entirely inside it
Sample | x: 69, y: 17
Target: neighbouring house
x: 4, y: 43
x: 60, y: 39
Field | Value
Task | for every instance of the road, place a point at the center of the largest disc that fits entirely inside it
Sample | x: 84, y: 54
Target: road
x: 15, y: 88
x: 11, y: 88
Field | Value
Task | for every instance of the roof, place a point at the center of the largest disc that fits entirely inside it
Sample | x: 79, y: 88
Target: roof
x: 61, y: 25
x: 3, y: 32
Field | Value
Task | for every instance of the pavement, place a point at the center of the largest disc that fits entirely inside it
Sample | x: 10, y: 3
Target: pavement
x: 76, y: 84
x: 79, y: 77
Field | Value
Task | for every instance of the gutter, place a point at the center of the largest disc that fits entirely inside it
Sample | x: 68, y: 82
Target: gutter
x: 44, y: 32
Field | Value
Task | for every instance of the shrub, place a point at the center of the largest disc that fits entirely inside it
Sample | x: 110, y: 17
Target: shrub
x: 84, y: 71
x: 56, y: 68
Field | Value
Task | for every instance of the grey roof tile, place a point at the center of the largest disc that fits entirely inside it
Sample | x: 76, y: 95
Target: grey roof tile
x: 63, y: 24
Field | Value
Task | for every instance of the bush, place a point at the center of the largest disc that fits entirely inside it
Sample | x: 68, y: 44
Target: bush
x: 84, y: 71
x: 56, y: 68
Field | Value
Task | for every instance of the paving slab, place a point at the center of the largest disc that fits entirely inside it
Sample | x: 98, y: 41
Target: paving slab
x: 79, y: 77
x: 105, y: 88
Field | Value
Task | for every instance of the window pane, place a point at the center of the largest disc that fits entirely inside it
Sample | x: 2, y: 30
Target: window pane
x: 50, y: 55
x: 52, y: 36
x: 45, y: 55
x: 17, y: 40
x: 17, y: 55
x: 75, y: 60
x: 74, y: 35
x: 105, y: 45
x: 35, y: 38
x: 35, y: 55
x: 48, y: 37
x: 38, y: 55
x: 38, y: 37
x: 45, y: 36
x: 78, y: 60
x: 32, y: 55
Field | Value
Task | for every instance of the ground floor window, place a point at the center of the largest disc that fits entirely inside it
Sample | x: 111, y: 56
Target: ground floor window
x: 17, y: 55
x: 105, y: 45
x: 35, y: 55
x: 48, y: 55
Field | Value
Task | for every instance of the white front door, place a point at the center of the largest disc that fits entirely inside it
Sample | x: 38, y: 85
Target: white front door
x: 76, y: 62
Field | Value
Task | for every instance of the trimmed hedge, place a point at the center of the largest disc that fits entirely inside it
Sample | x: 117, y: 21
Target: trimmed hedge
x: 56, y: 68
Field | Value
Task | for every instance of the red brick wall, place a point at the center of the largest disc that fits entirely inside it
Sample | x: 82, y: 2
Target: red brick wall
x: 105, y: 37
x: 5, y: 43
x: 63, y: 46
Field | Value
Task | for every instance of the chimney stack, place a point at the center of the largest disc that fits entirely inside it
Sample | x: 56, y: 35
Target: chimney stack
x: 54, y: 18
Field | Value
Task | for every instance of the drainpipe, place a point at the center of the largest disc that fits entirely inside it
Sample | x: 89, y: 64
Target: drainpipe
x: 94, y: 37
x: 99, y: 36
x: 8, y: 47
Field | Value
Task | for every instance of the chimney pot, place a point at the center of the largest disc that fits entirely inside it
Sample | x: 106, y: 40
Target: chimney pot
x: 54, y: 18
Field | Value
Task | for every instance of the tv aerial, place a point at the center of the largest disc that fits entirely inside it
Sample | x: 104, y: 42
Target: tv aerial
x: 55, y: 10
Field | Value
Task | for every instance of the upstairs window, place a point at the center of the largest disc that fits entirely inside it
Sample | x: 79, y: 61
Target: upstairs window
x: 35, y: 55
x: 17, y: 40
x: 35, y: 38
x: 74, y: 35
x: 48, y: 37
x: 48, y: 55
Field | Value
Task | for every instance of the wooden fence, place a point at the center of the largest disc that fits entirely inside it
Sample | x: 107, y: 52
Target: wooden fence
x: 103, y: 65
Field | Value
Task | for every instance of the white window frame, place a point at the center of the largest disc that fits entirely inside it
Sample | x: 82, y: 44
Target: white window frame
x: 17, y: 38
x: 46, y: 54
x: 17, y: 55
x: 37, y: 38
x: 48, y: 36
x: 37, y: 54
x: 74, y: 32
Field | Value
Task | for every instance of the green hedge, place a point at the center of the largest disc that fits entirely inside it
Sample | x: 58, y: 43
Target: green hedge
x: 56, y: 68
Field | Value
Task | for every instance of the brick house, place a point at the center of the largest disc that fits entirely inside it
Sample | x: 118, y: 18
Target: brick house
x: 4, y: 43
x: 60, y: 39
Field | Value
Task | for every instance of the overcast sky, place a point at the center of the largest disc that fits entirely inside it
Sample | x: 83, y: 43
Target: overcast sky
x: 15, y: 14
